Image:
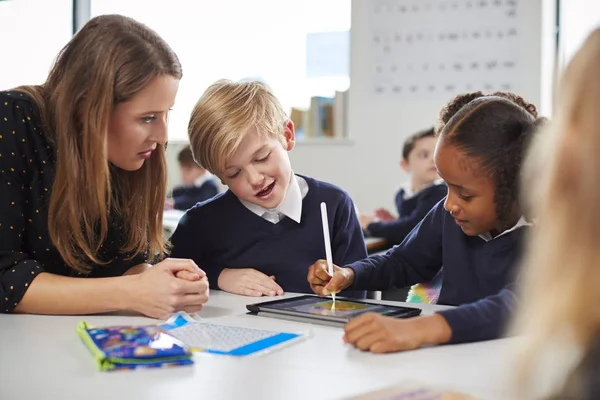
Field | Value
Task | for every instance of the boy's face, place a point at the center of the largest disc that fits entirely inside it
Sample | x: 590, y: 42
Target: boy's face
x: 259, y: 171
x: 189, y: 173
x: 470, y: 197
x: 420, y: 163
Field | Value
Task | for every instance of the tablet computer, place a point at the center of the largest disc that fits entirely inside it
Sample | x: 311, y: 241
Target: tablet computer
x: 314, y: 309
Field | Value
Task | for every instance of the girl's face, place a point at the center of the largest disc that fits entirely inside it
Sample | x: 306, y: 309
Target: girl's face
x: 471, y: 191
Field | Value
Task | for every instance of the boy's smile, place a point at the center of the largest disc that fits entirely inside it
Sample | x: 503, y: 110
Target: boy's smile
x: 265, y: 193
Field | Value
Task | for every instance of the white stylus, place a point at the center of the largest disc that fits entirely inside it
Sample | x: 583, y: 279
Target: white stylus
x: 327, y: 242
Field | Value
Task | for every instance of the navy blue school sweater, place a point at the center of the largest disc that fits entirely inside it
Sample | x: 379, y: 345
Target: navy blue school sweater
x: 222, y: 233
x: 478, y: 275
x: 186, y: 197
x: 411, y: 212
x: 399, y: 201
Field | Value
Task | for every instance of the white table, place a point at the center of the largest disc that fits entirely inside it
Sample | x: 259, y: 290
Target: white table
x: 41, y: 357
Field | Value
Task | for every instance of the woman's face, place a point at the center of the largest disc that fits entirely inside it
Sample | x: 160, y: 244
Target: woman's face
x: 138, y: 125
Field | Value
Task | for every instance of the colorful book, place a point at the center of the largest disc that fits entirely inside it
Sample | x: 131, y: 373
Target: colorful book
x: 130, y: 347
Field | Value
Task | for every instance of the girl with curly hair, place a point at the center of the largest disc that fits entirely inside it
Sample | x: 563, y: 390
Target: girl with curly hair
x: 475, y: 233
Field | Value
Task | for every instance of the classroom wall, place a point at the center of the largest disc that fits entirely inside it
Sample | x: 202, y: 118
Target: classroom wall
x: 369, y: 168
x: 367, y: 165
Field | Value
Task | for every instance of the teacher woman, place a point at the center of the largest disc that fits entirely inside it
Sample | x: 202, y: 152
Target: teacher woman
x: 83, y: 181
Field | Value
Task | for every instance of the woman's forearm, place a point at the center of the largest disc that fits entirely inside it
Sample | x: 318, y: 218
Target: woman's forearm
x: 138, y: 269
x: 60, y: 295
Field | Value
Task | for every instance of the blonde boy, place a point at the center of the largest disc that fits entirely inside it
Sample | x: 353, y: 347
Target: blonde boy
x: 259, y: 237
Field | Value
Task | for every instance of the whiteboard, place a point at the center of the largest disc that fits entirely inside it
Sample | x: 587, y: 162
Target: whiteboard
x: 434, y: 49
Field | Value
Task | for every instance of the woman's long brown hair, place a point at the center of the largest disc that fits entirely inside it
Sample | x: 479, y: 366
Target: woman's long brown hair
x: 106, y: 63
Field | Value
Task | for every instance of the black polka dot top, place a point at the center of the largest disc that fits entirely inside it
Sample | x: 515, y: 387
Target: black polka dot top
x: 27, y: 164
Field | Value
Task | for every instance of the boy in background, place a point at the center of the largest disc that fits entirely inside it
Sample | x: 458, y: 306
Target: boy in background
x: 414, y: 199
x: 260, y: 236
x: 197, y: 183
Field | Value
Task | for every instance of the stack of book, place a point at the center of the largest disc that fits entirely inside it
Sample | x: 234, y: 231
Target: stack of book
x: 326, y: 118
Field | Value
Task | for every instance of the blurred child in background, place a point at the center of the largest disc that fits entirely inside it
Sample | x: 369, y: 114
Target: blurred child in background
x: 197, y: 183
x: 423, y: 190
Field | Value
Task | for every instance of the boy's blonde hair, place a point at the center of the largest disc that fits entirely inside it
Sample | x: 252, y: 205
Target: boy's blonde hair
x: 561, y: 294
x: 223, y: 115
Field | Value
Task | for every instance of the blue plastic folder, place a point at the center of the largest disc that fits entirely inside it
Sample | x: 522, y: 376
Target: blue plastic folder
x: 226, y: 339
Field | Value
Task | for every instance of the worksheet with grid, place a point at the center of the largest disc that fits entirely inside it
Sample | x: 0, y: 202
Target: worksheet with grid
x: 218, y: 337
x: 227, y: 339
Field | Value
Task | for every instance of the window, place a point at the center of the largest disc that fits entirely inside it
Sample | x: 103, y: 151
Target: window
x: 239, y: 39
x: 578, y: 18
x: 38, y: 30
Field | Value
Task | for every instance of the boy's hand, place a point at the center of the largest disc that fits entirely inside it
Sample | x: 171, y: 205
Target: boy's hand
x: 378, y: 334
x: 248, y: 282
x: 365, y: 220
x: 384, y: 215
x: 323, y: 284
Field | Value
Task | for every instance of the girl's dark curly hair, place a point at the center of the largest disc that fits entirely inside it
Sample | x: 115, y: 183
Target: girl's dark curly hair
x: 495, y: 131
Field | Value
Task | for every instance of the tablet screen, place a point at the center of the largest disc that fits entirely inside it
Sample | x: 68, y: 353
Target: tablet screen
x: 319, y: 306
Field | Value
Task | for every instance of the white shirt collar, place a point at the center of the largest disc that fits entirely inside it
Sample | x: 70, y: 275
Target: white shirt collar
x: 408, y: 192
x: 291, y: 206
x: 201, y: 180
x: 521, y: 222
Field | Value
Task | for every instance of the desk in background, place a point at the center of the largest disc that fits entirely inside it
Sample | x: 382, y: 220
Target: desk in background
x: 42, y: 357
x: 170, y: 220
x: 375, y: 245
